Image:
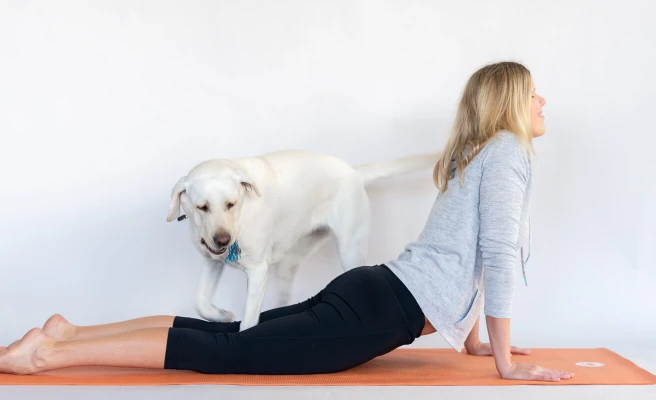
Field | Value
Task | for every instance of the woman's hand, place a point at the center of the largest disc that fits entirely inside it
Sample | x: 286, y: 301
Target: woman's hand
x: 530, y: 372
x: 499, y: 332
x: 484, y: 349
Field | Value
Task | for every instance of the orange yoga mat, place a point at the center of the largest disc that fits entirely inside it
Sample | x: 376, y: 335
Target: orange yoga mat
x: 402, y: 367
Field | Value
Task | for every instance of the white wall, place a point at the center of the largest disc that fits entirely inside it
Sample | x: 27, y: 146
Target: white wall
x: 102, y: 108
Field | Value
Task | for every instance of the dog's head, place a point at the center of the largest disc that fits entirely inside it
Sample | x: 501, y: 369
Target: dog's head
x: 212, y: 196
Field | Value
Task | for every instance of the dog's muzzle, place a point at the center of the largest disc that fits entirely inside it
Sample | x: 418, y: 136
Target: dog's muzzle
x: 218, y: 253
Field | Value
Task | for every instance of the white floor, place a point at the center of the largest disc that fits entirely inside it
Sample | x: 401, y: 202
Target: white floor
x: 645, y: 358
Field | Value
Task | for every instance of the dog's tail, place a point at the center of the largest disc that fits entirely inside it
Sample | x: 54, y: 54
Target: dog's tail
x: 372, y: 172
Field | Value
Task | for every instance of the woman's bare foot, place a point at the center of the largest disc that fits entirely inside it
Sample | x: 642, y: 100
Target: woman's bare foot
x: 11, y: 346
x: 28, y: 356
x: 59, y: 329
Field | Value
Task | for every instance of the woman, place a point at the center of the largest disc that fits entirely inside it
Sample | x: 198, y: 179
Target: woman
x: 436, y: 284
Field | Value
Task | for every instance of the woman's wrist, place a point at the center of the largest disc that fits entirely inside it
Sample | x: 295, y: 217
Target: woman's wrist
x: 472, y: 340
x: 471, y: 344
x: 503, y: 363
x: 499, y: 332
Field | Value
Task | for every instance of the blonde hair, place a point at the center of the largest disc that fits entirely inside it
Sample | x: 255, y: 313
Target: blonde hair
x: 496, y: 98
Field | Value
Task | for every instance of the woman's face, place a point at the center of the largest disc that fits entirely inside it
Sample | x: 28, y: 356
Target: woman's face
x: 537, y: 119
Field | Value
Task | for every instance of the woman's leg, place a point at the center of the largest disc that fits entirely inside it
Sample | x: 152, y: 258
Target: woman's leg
x: 138, y: 342
x: 358, y: 319
x: 59, y: 329
x: 37, y: 352
x: 273, y: 343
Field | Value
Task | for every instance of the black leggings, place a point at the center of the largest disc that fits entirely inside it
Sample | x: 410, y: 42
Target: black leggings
x: 362, y: 314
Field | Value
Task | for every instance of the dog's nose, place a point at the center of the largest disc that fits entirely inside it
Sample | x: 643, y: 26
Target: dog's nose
x: 222, y: 239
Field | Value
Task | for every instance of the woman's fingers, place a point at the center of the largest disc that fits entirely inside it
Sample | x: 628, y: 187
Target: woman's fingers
x: 560, y: 374
x: 545, y: 374
x: 535, y: 372
x: 542, y: 374
x: 555, y: 376
x: 565, y: 375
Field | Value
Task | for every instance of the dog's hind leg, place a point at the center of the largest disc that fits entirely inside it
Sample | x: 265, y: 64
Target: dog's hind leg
x: 353, y: 247
x: 350, y: 227
x: 286, y: 269
x: 285, y: 273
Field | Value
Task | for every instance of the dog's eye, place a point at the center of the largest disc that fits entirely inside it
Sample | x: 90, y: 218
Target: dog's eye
x: 230, y: 205
x: 203, y: 208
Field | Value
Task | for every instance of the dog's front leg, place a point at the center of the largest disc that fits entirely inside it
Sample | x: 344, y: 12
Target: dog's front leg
x: 209, y: 278
x: 257, y: 281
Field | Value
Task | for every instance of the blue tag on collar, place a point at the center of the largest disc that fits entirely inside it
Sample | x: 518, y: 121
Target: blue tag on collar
x: 234, y: 252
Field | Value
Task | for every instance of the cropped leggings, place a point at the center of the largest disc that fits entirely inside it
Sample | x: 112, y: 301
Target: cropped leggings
x: 362, y: 314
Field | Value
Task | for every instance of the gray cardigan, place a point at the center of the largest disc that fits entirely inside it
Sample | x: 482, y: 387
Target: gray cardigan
x: 465, y: 256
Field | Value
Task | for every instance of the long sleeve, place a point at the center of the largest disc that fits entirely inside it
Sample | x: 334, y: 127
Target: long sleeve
x: 503, y: 185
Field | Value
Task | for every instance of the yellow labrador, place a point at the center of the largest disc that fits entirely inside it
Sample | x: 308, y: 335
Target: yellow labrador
x: 274, y: 210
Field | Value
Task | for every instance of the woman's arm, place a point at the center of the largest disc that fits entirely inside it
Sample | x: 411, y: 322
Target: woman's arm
x: 472, y: 341
x: 503, y: 184
x: 499, y: 331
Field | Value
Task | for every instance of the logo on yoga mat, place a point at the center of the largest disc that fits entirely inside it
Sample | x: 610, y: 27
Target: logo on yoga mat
x: 589, y: 364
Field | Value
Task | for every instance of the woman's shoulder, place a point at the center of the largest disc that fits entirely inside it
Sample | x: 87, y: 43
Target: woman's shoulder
x: 504, y: 140
x: 505, y: 147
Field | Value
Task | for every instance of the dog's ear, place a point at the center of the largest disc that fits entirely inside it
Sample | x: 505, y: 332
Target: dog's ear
x: 247, y: 182
x: 174, y: 206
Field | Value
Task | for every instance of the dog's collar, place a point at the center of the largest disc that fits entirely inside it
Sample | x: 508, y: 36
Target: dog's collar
x: 234, y: 252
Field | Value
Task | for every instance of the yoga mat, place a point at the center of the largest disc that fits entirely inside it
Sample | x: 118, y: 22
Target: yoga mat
x: 402, y: 367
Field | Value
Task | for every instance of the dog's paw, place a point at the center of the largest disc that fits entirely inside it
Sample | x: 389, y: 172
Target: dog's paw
x: 214, y: 314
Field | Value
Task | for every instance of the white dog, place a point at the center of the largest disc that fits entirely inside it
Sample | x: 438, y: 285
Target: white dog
x: 276, y: 209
